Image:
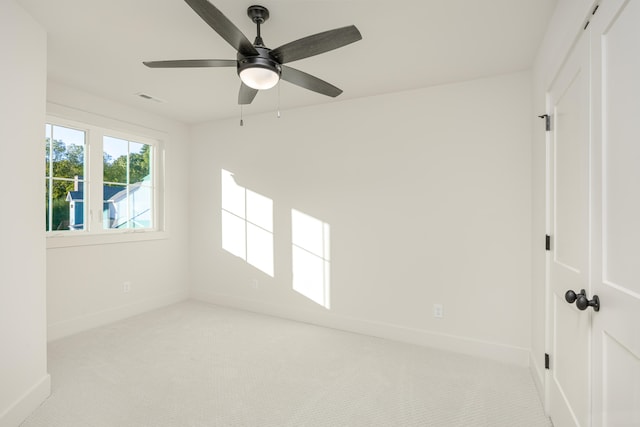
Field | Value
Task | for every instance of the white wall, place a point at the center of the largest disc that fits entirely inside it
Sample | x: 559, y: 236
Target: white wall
x: 85, y: 283
x: 565, y: 25
x: 428, y: 196
x: 24, y: 382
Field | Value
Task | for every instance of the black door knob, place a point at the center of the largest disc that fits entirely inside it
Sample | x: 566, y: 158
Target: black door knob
x: 582, y: 303
x: 571, y: 297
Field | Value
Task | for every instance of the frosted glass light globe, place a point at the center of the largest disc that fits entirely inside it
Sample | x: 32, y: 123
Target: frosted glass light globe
x: 259, y: 78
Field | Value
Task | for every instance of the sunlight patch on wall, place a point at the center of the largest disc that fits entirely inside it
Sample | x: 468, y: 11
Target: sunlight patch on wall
x: 310, y: 257
x: 247, y: 224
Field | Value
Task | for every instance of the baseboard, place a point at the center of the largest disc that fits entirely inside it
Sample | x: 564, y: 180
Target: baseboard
x: 494, y: 351
x: 79, y: 324
x: 25, y: 405
x: 538, y: 375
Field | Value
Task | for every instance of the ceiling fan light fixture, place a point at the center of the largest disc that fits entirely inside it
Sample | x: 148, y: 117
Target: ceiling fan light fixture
x: 260, y: 78
x: 259, y: 72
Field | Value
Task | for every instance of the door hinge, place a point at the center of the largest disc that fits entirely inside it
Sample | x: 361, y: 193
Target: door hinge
x: 546, y: 361
x: 547, y: 242
x: 595, y: 9
x: 547, y: 121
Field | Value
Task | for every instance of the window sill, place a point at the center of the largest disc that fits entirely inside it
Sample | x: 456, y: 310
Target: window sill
x: 66, y: 240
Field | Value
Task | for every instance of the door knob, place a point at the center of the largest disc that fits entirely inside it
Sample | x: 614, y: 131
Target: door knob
x: 581, y: 300
x: 571, y: 297
x: 582, y: 303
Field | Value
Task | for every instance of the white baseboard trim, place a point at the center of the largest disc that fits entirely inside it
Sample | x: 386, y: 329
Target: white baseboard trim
x: 494, y: 351
x: 537, y: 373
x: 27, y: 403
x: 89, y: 321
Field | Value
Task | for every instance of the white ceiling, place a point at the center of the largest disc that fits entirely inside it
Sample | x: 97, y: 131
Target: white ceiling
x: 99, y: 46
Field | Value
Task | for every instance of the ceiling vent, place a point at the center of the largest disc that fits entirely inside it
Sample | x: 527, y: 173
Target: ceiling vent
x: 150, y: 98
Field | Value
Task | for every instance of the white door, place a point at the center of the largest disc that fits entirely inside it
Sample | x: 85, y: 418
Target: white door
x: 569, y: 328
x: 616, y: 222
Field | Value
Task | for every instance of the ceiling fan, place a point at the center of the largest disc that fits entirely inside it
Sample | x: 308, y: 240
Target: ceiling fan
x: 258, y: 66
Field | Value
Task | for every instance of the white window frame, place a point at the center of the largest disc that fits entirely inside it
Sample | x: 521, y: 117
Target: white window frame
x: 94, y: 233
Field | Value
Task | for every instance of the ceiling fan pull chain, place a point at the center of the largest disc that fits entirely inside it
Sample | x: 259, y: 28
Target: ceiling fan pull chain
x: 278, y: 99
x: 241, y: 121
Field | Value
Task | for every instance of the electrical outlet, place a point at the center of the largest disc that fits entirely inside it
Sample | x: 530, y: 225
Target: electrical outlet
x: 438, y: 311
x: 126, y: 287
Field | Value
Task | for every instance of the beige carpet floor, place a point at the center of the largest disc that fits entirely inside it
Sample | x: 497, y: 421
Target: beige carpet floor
x: 195, y: 365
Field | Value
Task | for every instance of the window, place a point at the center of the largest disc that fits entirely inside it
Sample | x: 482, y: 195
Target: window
x: 98, y: 181
x: 247, y: 224
x: 65, y: 171
x: 128, y: 189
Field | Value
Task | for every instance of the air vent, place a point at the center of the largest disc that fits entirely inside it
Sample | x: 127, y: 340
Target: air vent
x: 150, y: 98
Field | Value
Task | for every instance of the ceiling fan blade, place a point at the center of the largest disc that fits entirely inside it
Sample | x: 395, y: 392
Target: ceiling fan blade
x: 223, y: 26
x: 316, y: 44
x: 191, y: 63
x: 308, y: 81
x: 246, y: 94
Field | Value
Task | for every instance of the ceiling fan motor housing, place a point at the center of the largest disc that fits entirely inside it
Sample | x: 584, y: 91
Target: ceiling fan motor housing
x: 262, y: 60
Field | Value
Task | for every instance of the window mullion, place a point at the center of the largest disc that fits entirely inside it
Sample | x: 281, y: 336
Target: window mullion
x: 50, y: 196
x: 128, y: 183
x: 94, y: 181
x: 50, y: 178
x: 50, y: 181
x: 152, y: 183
